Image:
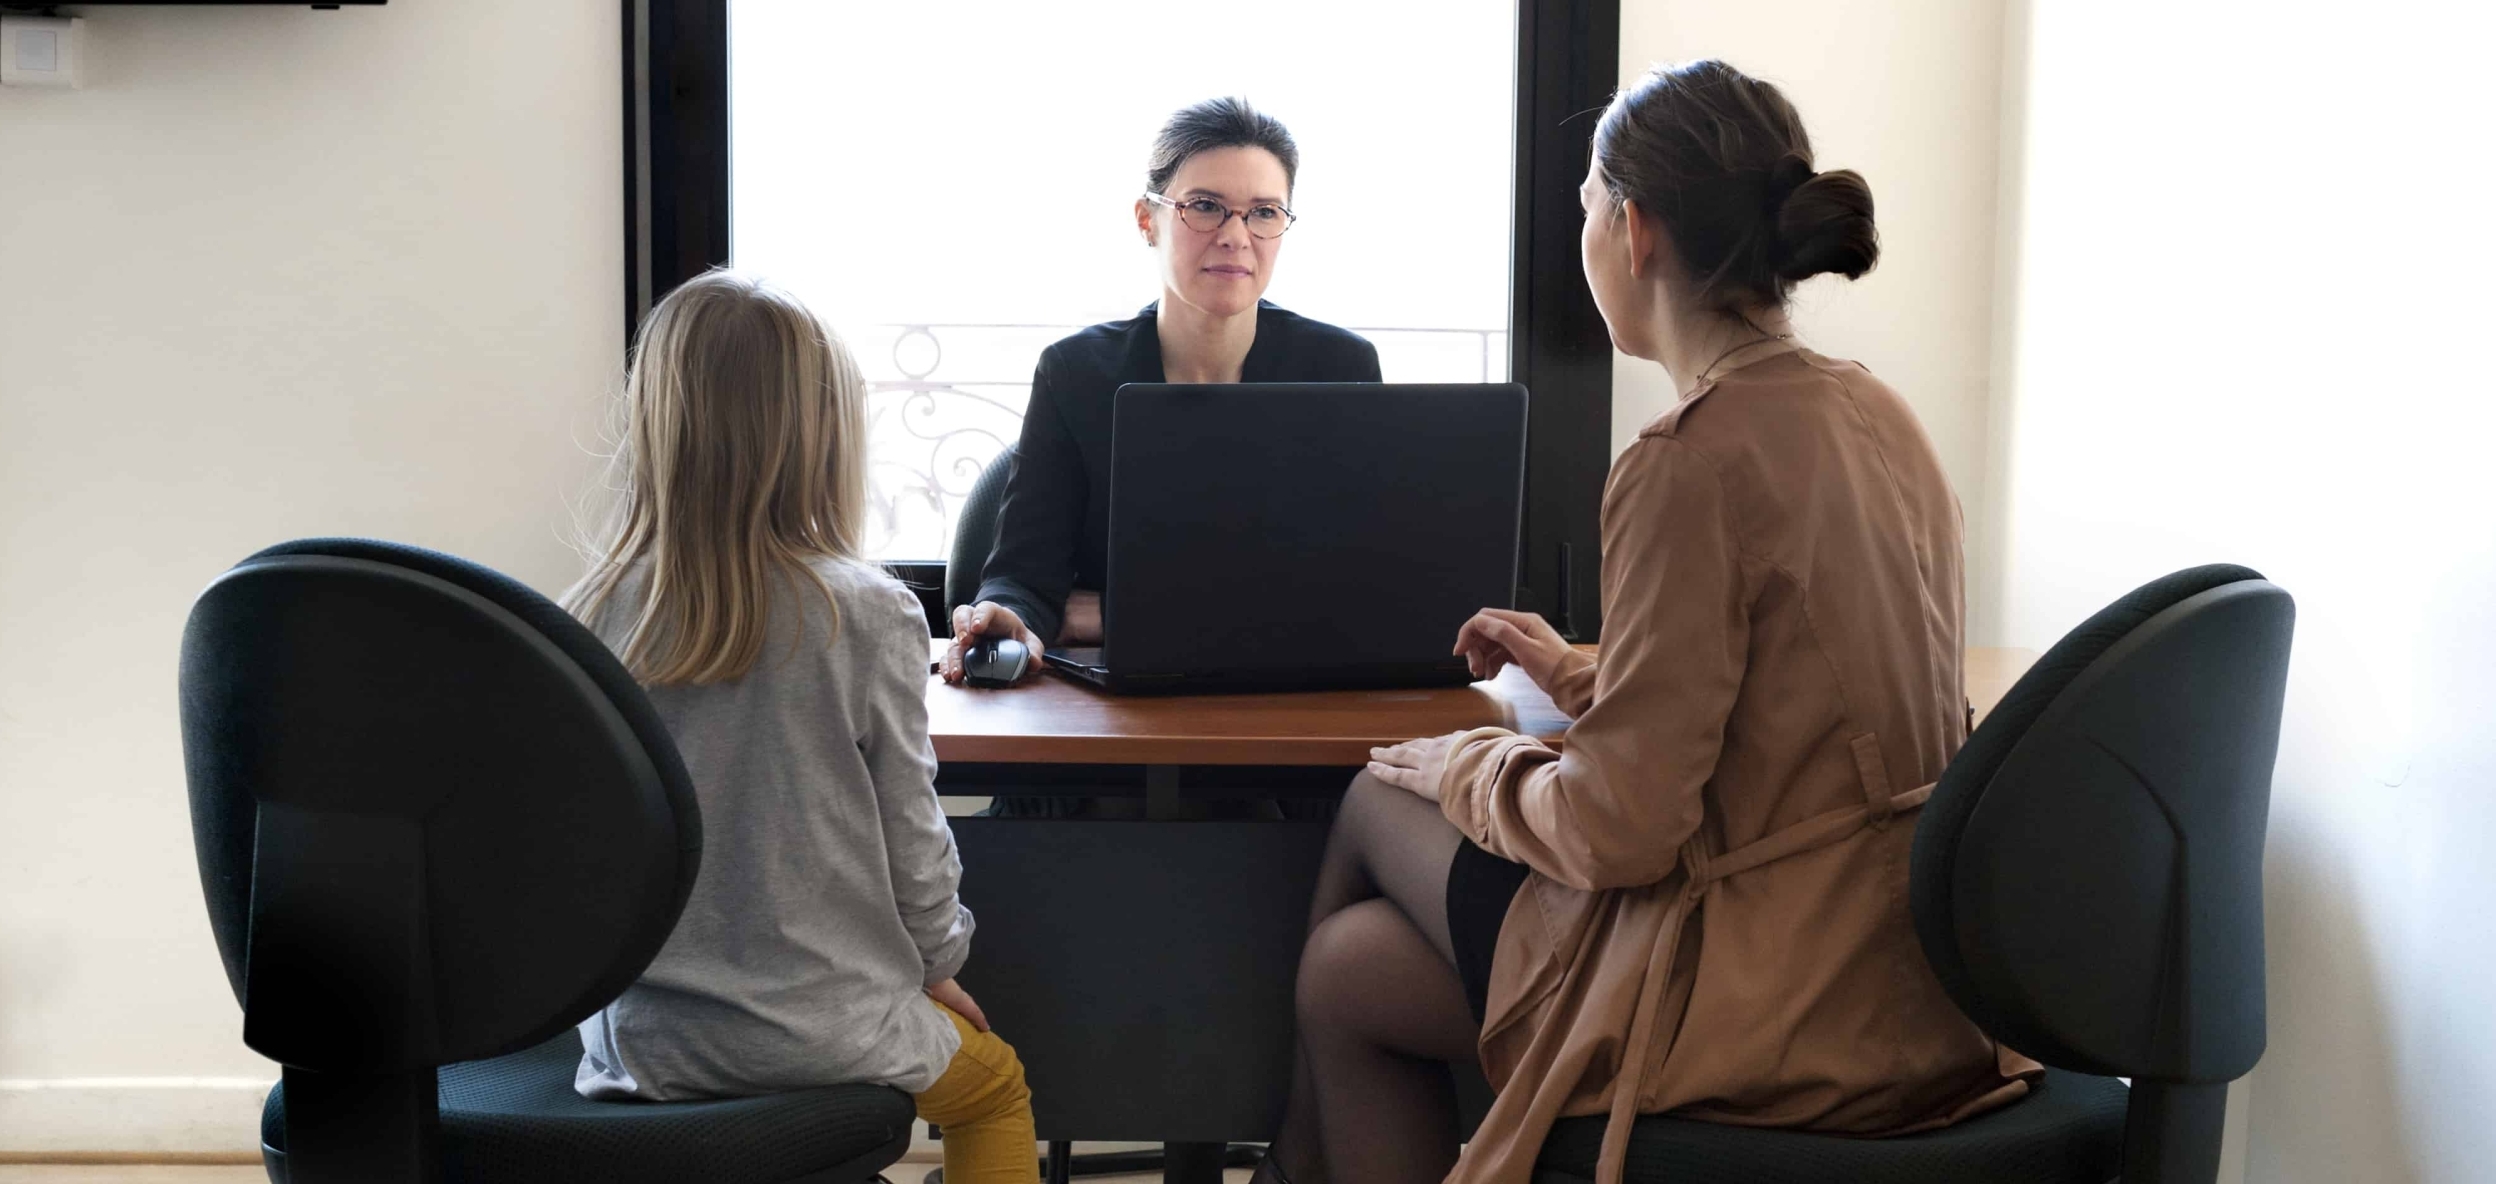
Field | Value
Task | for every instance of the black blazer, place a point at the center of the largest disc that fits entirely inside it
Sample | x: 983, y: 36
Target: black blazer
x: 1053, y: 530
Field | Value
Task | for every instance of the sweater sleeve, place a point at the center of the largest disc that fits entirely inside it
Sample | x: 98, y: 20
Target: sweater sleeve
x: 892, y: 737
x: 1613, y: 808
x: 1032, y: 569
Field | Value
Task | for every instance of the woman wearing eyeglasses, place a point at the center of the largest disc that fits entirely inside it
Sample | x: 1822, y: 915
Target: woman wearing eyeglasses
x: 1216, y: 203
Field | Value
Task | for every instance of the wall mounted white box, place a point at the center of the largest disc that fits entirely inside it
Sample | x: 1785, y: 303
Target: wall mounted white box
x: 41, y: 50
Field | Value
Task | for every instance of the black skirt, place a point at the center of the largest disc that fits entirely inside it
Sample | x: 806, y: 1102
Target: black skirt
x: 1480, y: 886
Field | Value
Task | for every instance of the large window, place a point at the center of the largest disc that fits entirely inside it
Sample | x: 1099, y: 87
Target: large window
x: 951, y: 186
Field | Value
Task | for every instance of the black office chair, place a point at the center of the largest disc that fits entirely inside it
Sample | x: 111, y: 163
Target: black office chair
x: 2087, y: 883
x: 438, y: 824
x: 975, y: 532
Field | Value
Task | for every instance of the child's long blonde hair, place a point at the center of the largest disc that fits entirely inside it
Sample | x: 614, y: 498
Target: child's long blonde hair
x: 743, y: 460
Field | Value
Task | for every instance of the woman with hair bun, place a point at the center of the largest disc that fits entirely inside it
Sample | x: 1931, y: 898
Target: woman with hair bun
x: 1697, y: 903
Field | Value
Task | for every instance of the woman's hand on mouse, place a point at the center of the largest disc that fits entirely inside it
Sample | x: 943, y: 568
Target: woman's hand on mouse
x: 988, y: 619
x: 1496, y: 638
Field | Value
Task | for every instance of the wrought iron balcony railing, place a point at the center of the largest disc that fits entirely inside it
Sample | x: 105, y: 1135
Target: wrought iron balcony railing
x: 944, y: 400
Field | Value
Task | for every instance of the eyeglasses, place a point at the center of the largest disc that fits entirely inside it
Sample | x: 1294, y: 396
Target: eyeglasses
x: 1205, y: 215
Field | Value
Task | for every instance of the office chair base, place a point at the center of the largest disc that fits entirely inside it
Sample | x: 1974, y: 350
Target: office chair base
x: 1176, y: 1160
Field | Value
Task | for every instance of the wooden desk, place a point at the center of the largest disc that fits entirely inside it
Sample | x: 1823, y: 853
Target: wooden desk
x: 1055, y: 720
x: 1142, y: 965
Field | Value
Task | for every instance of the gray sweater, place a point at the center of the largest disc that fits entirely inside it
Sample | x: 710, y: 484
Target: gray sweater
x: 826, y: 899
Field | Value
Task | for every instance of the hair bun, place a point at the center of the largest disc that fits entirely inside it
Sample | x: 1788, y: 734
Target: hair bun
x: 1721, y: 159
x: 1825, y: 225
x: 1790, y: 173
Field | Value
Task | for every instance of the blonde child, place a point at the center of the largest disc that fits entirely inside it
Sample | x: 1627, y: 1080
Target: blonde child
x: 824, y: 930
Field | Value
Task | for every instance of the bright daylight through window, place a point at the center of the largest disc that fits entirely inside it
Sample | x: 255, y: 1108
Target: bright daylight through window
x: 951, y: 185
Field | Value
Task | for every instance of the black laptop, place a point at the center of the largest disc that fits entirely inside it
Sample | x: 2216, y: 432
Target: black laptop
x: 1304, y: 536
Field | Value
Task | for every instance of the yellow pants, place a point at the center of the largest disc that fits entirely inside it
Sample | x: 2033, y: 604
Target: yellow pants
x: 985, y: 1110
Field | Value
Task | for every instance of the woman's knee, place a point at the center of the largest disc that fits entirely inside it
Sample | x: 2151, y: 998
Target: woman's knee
x: 1373, y: 810
x: 1366, y: 792
x: 1342, y: 963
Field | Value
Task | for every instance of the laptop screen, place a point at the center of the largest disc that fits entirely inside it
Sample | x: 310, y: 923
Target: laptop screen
x: 1308, y: 526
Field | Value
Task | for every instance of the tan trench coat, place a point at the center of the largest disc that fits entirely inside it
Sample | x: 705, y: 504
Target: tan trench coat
x: 1718, y: 911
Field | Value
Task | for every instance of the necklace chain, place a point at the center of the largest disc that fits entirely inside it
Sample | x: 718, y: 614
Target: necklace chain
x: 1708, y: 371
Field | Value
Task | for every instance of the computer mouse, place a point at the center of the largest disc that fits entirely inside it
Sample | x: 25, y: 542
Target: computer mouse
x: 995, y: 662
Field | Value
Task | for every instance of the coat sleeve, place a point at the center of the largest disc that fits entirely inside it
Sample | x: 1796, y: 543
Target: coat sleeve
x: 1573, y: 685
x: 1614, y: 806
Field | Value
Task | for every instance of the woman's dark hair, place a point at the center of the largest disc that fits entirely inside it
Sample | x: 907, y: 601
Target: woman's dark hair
x: 1722, y: 159
x: 1218, y: 123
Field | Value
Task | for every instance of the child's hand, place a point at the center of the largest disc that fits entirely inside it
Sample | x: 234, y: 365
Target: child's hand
x: 951, y: 994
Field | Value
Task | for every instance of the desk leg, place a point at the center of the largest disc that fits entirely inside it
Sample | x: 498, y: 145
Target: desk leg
x: 1059, y: 903
x: 1181, y: 1163
x: 1192, y: 1163
x: 1161, y: 793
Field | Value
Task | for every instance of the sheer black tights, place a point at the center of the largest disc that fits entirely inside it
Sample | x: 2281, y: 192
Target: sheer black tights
x: 1381, y: 1011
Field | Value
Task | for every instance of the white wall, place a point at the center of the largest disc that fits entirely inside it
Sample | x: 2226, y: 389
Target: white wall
x: 273, y: 273
x: 1908, y: 93
x: 2249, y: 324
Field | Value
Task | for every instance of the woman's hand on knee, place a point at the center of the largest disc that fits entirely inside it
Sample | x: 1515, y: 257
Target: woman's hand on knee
x: 1414, y: 765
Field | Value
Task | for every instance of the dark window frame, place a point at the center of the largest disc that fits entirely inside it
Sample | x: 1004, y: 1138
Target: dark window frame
x: 676, y: 211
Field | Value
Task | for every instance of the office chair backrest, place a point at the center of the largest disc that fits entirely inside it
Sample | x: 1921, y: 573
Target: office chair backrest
x: 975, y: 533
x: 436, y: 819
x: 2087, y: 877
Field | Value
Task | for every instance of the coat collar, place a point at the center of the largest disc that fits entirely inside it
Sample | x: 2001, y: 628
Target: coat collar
x: 1669, y: 423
